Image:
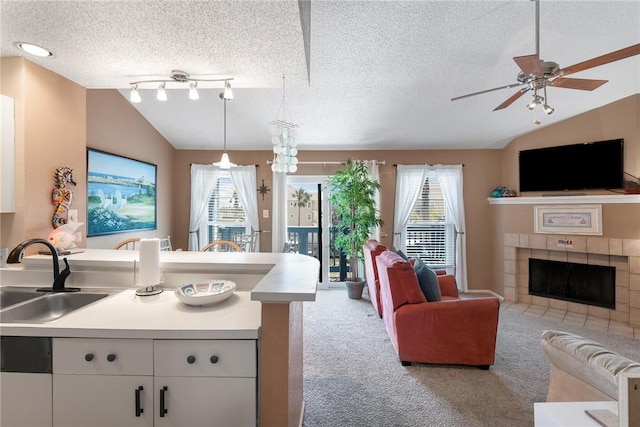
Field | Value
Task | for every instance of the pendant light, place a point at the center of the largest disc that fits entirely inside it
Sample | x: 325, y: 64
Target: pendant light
x: 224, y: 162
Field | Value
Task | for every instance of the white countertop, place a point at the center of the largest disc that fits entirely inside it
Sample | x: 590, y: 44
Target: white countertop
x: 126, y: 315
x: 260, y: 277
x: 273, y: 277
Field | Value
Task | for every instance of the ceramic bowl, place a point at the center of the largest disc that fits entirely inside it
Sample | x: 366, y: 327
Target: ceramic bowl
x: 205, y: 292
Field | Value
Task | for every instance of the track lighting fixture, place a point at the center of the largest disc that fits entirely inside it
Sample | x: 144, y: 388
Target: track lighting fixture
x: 162, y: 93
x: 178, y: 76
x: 135, y: 95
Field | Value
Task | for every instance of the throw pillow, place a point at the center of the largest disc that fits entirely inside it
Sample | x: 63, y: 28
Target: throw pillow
x: 402, y: 254
x: 428, y: 281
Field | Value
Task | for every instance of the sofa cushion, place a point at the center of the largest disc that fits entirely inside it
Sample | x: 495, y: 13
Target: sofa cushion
x: 428, y: 281
x: 401, y: 277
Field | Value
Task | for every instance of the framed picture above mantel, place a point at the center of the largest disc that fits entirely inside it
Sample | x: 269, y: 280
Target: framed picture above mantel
x: 570, y: 219
x: 121, y: 194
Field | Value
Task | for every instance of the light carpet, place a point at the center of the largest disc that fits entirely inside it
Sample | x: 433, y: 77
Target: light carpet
x: 352, y: 375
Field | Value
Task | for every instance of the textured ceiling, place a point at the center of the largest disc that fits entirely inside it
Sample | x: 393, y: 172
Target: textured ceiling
x: 381, y: 76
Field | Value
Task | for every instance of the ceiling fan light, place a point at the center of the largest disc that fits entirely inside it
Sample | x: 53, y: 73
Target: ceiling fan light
x: 162, y: 93
x: 193, y: 91
x: 134, y: 96
x: 548, y: 109
x: 532, y: 105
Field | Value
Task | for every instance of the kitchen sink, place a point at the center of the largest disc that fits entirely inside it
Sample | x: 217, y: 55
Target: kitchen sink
x: 10, y: 295
x: 49, y: 307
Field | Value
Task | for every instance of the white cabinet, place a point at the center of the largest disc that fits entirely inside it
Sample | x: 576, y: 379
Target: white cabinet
x: 181, y: 383
x: 203, y: 382
x: 7, y: 160
x: 25, y: 399
x: 102, y: 382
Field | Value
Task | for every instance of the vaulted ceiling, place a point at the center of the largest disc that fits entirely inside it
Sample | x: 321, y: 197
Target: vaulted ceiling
x: 373, y: 74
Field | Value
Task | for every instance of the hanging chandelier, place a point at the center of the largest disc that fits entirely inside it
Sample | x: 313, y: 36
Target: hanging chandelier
x: 178, y: 76
x: 283, y: 139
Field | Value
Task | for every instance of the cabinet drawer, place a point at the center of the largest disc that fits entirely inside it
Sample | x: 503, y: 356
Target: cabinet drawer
x: 102, y: 356
x: 198, y: 358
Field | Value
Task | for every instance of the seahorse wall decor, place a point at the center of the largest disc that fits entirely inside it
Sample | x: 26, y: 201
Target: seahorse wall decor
x: 62, y: 196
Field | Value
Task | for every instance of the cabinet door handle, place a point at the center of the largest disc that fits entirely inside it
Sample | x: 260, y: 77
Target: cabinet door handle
x: 213, y: 359
x: 163, y: 409
x: 88, y: 357
x: 139, y: 409
x: 191, y: 360
x: 111, y: 357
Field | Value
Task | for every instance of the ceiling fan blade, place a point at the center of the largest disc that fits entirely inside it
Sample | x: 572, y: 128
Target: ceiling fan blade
x: 487, y: 90
x: 512, y: 99
x: 601, y: 60
x: 581, y: 84
x: 529, y: 64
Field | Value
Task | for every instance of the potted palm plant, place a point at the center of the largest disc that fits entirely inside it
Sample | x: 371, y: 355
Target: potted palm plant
x: 352, y: 198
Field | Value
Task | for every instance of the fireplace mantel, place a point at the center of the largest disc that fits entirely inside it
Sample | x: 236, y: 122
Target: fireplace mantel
x: 565, y: 200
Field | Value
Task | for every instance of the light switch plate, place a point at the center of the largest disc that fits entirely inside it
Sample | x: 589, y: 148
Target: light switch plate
x: 265, y: 213
x: 73, y: 215
x: 629, y: 399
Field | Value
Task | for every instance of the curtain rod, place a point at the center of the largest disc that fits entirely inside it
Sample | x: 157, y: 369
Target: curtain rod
x: 380, y: 162
x: 191, y: 164
x: 430, y: 164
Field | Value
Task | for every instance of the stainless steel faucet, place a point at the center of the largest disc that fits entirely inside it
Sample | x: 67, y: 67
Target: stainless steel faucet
x: 58, y: 277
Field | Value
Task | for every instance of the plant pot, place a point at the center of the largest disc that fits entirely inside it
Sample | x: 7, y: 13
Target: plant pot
x: 354, y: 289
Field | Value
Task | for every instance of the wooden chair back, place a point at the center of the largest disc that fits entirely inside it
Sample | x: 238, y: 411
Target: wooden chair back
x: 130, y: 244
x: 222, y: 246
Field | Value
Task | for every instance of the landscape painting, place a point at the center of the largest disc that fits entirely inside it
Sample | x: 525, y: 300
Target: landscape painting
x: 121, y: 194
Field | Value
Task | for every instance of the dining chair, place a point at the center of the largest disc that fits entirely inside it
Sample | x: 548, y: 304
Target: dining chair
x: 165, y: 244
x: 130, y: 244
x: 222, y: 246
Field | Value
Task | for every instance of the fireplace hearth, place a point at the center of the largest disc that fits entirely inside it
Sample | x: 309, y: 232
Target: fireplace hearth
x: 582, y: 283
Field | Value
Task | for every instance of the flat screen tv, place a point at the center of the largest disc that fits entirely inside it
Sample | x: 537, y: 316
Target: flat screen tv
x: 588, y: 166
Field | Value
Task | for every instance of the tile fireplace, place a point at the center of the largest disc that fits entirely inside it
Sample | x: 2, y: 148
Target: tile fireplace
x: 621, y: 254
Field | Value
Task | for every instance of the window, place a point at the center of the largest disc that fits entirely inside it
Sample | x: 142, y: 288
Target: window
x: 226, y: 217
x: 430, y: 235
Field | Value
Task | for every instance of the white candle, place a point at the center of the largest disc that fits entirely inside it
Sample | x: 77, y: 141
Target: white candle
x: 149, y: 270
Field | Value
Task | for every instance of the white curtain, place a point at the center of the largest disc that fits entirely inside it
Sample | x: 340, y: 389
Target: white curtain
x: 409, y: 182
x: 374, y: 174
x: 450, y: 178
x: 279, y: 212
x: 203, y: 180
x: 243, y: 179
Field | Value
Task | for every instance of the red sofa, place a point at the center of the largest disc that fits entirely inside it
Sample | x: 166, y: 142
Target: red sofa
x: 373, y: 248
x: 450, y: 331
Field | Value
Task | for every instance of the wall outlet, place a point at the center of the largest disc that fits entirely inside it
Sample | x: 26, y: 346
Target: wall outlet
x: 265, y: 213
x: 629, y: 399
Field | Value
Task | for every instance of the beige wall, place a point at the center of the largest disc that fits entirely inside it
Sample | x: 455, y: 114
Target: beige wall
x: 620, y: 119
x: 481, y: 174
x: 50, y: 133
x: 115, y: 126
x: 56, y: 120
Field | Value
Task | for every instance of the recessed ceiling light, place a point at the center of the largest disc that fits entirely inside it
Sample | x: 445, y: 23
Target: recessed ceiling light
x: 34, y: 49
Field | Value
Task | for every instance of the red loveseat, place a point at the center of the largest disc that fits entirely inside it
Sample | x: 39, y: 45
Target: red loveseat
x: 450, y: 331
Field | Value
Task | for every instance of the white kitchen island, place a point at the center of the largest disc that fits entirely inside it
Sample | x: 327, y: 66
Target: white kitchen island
x: 263, y: 318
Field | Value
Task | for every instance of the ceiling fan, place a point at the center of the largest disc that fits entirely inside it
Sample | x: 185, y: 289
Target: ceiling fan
x: 537, y: 74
